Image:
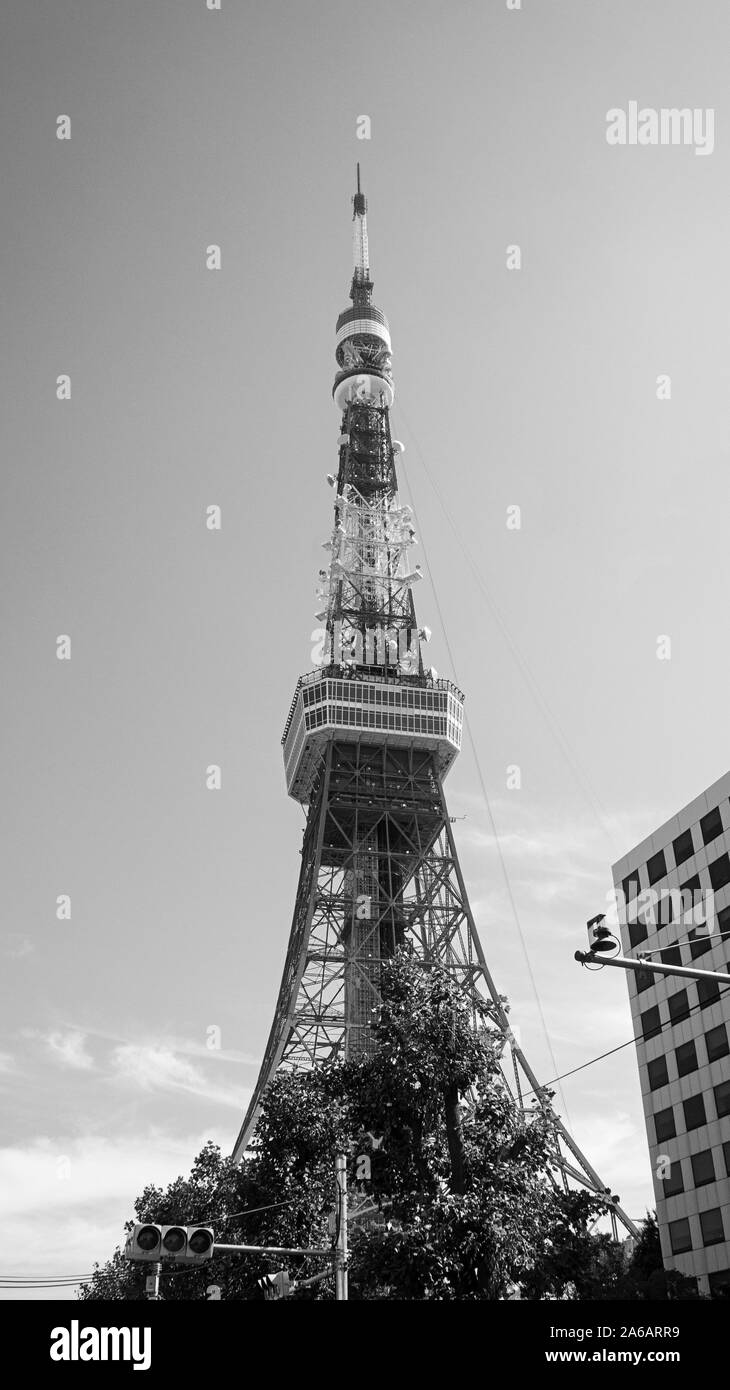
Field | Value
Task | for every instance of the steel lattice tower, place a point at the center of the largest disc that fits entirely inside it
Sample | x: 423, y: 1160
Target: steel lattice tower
x: 369, y: 739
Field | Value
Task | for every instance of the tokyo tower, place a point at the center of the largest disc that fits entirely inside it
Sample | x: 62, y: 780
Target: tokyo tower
x: 368, y: 742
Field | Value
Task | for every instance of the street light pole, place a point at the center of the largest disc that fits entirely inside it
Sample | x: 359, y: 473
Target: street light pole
x: 341, y: 1247
x: 643, y: 963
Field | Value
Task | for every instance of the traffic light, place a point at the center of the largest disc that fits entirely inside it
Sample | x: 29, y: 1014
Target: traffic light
x: 275, y: 1285
x: 143, y: 1243
x: 191, y: 1244
x: 599, y: 937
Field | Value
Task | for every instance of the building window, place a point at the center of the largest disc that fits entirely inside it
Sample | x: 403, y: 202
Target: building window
x: 720, y: 872
x: 699, y: 943
x: 711, y: 826
x: 638, y: 932
x: 692, y: 899
x: 678, y: 1006
x: 723, y: 921
x: 658, y: 1075
x: 656, y: 867
x: 644, y: 980
x: 675, y: 1182
x: 722, y: 1098
x: 726, y: 1156
x: 671, y: 955
x: 664, y: 1125
x: 707, y: 992
x: 694, y: 1111
x: 679, y: 1236
x: 703, y: 1168
x: 717, y: 1043
x: 651, y: 1022
x: 686, y: 1056
x: 720, y: 1282
x: 713, y: 1231
x: 683, y: 847
x: 631, y: 886
x: 665, y: 908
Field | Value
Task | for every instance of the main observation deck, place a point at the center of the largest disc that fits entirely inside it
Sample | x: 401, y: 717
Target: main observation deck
x: 414, y: 713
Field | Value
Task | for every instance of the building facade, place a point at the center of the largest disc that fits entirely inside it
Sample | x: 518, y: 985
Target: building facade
x: 673, y: 892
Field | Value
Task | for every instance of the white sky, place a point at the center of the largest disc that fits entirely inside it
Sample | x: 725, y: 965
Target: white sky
x: 191, y: 387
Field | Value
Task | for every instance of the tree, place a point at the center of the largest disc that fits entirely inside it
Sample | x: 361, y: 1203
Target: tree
x: 460, y: 1178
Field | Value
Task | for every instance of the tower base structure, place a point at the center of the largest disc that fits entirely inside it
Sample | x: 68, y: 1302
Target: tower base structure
x: 380, y: 868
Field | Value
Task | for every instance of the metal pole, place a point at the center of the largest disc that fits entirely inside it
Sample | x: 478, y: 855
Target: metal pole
x: 341, y: 1256
x: 268, y: 1250
x: 153, y: 1282
x: 643, y: 963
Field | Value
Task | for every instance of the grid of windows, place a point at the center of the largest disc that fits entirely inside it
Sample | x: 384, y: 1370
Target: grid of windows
x: 698, y: 1041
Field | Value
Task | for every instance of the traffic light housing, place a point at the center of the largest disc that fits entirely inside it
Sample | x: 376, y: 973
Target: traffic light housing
x: 188, y: 1244
x: 275, y: 1285
x: 599, y: 936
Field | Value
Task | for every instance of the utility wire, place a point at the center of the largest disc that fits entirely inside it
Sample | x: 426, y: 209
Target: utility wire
x: 490, y: 814
x: 637, y: 1038
x: 519, y: 659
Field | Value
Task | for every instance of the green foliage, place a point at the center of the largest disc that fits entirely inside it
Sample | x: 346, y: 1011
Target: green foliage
x: 465, y: 1208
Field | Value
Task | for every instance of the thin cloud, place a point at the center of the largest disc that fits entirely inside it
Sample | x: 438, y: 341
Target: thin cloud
x: 161, y: 1069
x: 69, y: 1049
x: 64, y: 1201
